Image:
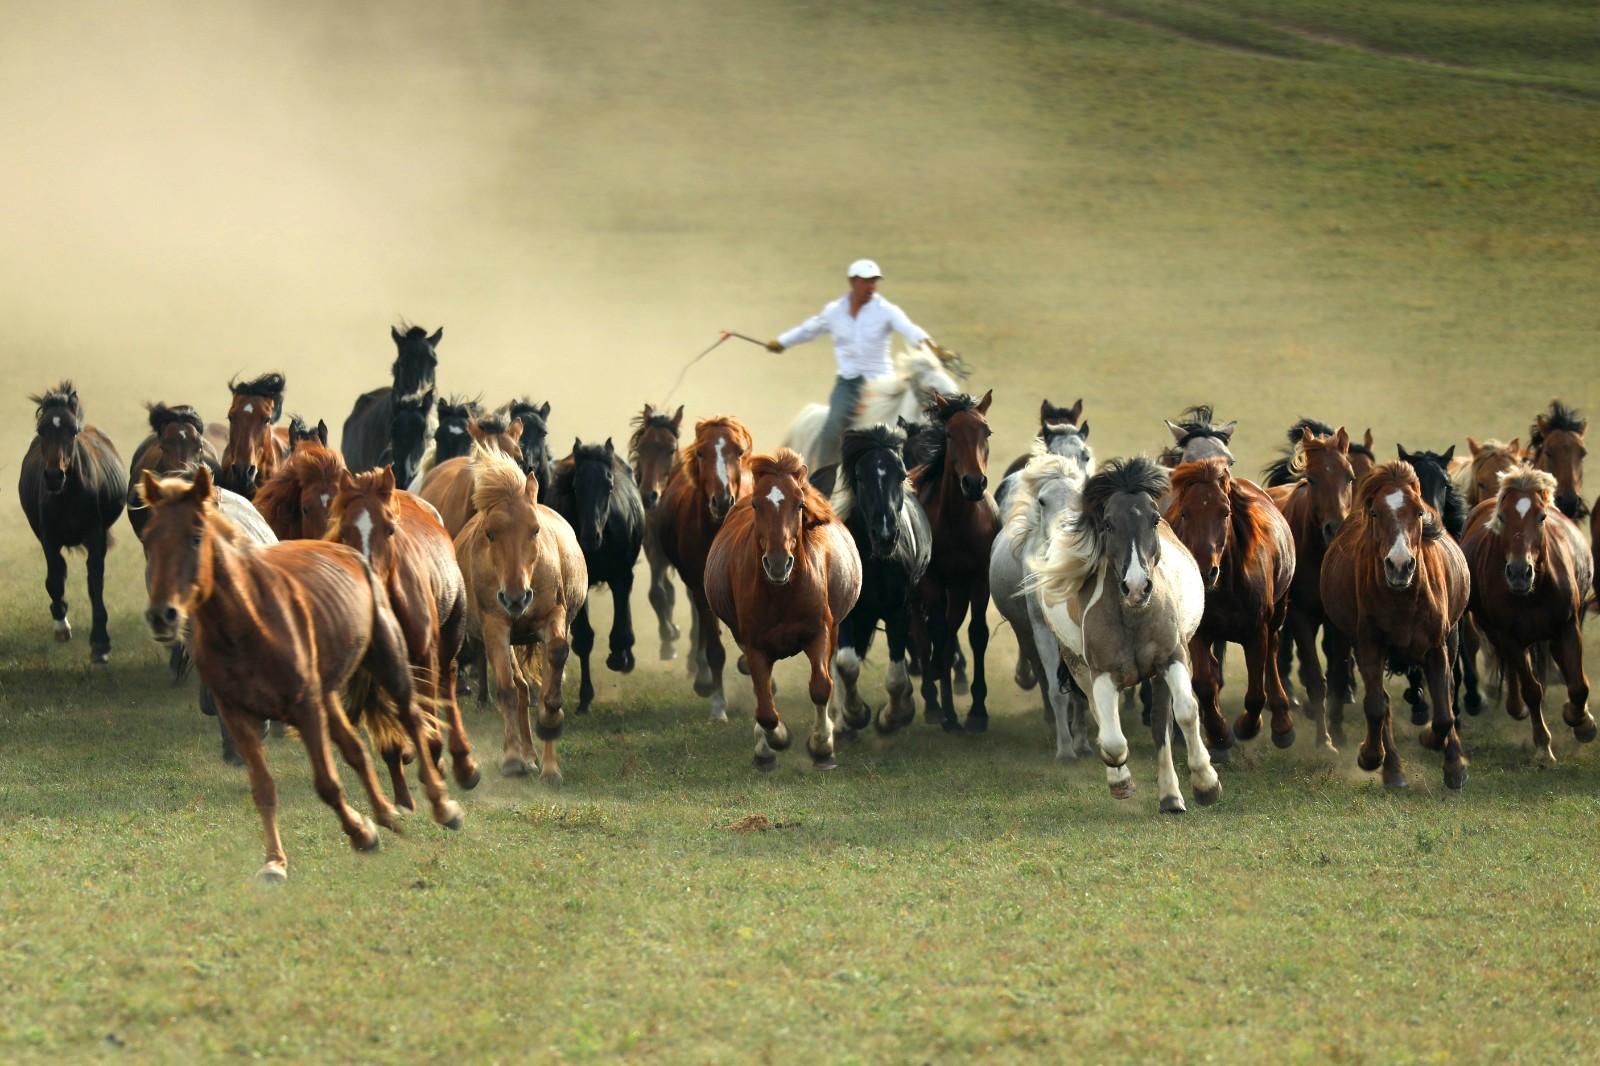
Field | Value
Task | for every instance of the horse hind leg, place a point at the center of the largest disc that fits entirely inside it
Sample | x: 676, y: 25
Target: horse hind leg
x: 978, y: 634
x: 820, y: 743
x: 551, y: 717
x: 583, y: 644
x: 312, y: 719
x: 1568, y: 650
x: 95, y: 567
x: 1186, y: 709
x: 345, y: 737
x: 662, y: 599
x: 391, y: 669
x: 1161, y: 732
x: 620, y: 644
x: 263, y: 790
x: 463, y: 765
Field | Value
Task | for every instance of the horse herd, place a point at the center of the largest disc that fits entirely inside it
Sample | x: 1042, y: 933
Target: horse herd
x: 326, y: 590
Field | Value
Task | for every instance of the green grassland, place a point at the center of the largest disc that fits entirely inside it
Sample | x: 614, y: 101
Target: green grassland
x: 1385, y: 215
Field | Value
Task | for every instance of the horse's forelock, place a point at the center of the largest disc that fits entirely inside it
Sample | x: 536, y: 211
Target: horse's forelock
x: 495, y: 478
x: 367, y: 485
x: 63, y: 395
x: 1201, y: 472
x: 162, y: 416
x: 1523, y: 477
x: 1140, y: 474
x: 1559, y: 418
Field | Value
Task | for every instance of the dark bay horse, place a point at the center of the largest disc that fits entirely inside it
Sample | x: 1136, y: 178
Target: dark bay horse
x: 390, y: 425
x: 892, y: 538
x: 652, y: 453
x: 1556, y: 444
x: 525, y: 580
x: 296, y: 499
x: 414, y: 559
x: 254, y: 447
x: 1532, y: 577
x: 1395, y: 586
x: 594, y: 491
x: 276, y: 633
x: 72, y: 490
x: 781, y: 573
x: 1061, y: 432
x: 536, y: 457
x: 448, y: 486
x: 1245, y: 552
x: 176, y: 442
x: 952, y: 485
x: 713, y: 473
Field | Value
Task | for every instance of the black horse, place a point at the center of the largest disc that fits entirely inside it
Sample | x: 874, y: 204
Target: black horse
x: 451, y: 439
x: 72, y: 489
x: 535, y: 442
x: 177, y: 441
x: 299, y: 431
x: 891, y: 532
x: 593, y: 489
x: 390, y: 426
x: 1439, y: 491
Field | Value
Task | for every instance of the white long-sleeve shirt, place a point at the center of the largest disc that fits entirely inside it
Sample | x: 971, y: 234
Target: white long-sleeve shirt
x: 860, y: 344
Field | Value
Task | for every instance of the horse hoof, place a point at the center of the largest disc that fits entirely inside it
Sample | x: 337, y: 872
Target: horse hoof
x: 272, y: 874
x: 1584, y: 732
x: 1397, y: 780
x: 581, y: 708
x: 1122, y: 789
x: 1420, y: 715
x: 370, y: 841
x: 1430, y: 740
x: 766, y: 763
x: 668, y: 653
x: 1518, y: 715
x: 468, y: 776
x: 514, y: 767
x: 960, y: 687
x: 951, y: 725
x: 1173, y: 805
x: 63, y: 632
x: 99, y: 656
x: 1207, y: 796
x: 450, y: 815
x: 551, y: 779
x: 1283, y: 740
x: 620, y: 662
x: 1473, y: 701
x: 1219, y: 755
x: 744, y: 666
x: 1244, y: 729
x: 977, y: 723
x: 1544, y: 757
x: 1336, y: 739
x: 1327, y: 747
x: 405, y: 804
x: 704, y: 689
x: 1367, y: 762
x: 824, y: 764
x: 1455, y: 780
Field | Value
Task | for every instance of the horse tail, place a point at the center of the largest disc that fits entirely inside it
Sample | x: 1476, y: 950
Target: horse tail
x: 369, y: 706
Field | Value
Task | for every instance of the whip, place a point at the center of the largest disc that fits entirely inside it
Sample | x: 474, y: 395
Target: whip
x: 724, y: 335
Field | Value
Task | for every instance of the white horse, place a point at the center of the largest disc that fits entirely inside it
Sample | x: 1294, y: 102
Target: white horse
x: 1124, y: 597
x: 904, y: 395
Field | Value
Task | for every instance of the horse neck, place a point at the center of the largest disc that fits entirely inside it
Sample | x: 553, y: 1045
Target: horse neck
x: 1301, y: 515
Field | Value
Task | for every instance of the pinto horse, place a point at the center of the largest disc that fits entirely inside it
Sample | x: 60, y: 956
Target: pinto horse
x: 390, y: 425
x: 1124, y: 599
x: 1556, y: 444
x: 594, y: 491
x: 652, y: 453
x: 1531, y: 581
x: 296, y: 500
x: 276, y: 633
x: 1245, y: 552
x: 414, y: 559
x: 254, y: 448
x: 448, y: 486
x: 1395, y: 586
x: 713, y: 473
x: 177, y: 441
x: 781, y: 573
x: 1061, y: 433
x: 525, y: 580
x: 72, y: 490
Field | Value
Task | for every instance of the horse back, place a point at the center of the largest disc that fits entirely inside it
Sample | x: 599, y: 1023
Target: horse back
x: 448, y: 488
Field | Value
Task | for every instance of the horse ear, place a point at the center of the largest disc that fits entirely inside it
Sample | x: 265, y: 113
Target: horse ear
x: 677, y: 419
x: 1516, y: 446
x: 395, y: 333
x: 1401, y: 448
x: 1449, y: 454
x: 475, y: 431
x: 438, y: 335
x: 983, y: 404
x: 611, y: 449
x: 1542, y: 422
x: 516, y: 429
x: 1306, y: 436
x: 1367, y: 438
x: 544, y: 409
x: 201, y: 489
x: 901, y: 423
x: 1044, y: 412
x: 1473, y: 446
x: 577, y: 442
x: 1341, y: 441
x: 530, y: 485
x: 1225, y: 431
x: 1074, y: 411
x: 1176, y: 431
x: 149, y: 488
x: 1083, y: 430
x: 322, y: 431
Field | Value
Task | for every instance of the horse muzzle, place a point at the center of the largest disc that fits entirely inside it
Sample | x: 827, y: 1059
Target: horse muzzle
x: 1571, y: 506
x: 651, y: 498
x: 778, y: 571
x: 590, y: 541
x: 1330, y: 530
x: 972, y: 486
x: 55, y: 481
x: 720, y: 505
x: 883, y: 545
x: 1137, y: 598
x: 1213, y: 578
x: 1399, y: 577
x: 165, y: 622
x: 514, y: 605
x: 1519, y: 578
x: 243, y: 478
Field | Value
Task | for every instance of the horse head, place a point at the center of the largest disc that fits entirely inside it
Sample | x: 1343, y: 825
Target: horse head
x: 180, y: 436
x: 363, y: 516
x: 1195, y: 437
x: 496, y: 434
x: 1490, y: 459
x: 652, y: 450
x: 58, y: 423
x: 1047, y: 486
x: 249, y: 456
x: 416, y: 360
x: 967, y: 440
x: 508, y: 518
x: 535, y: 420
x: 300, y: 432
x: 1120, y: 514
x: 717, y: 462
x: 1557, y: 448
x: 451, y: 439
x: 296, y: 499
x: 1323, y: 464
x: 178, y: 564
x: 784, y: 505
x: 1053, y: 416
x: 593, y: 473
x: 408, y: 434
x: 872, y: 484
x: 1522, y: 504
x: 1201, y: 514
x: 1438, y: 490
x: 1395, y: 521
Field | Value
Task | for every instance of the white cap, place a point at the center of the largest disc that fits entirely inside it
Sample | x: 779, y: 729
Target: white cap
x: 864, y: 268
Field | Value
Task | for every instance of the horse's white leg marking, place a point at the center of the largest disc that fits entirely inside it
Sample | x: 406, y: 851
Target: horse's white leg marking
x: 719, y: 702
x: 763, y: 749
x: 846, y: 673
x: 63, y: 628
x: 364, y: 526
x: 1186, y: 709
x: 1113, y: 745
x: 1166, y: 776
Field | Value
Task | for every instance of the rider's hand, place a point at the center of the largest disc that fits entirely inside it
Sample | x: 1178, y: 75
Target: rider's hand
x: 774, y: 347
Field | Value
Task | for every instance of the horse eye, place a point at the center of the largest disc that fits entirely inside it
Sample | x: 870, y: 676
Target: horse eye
x: 305, y: 510
x: 388, y: 531
x: 1542, y: 516
x: 195, y: 540
x: 488, y: 536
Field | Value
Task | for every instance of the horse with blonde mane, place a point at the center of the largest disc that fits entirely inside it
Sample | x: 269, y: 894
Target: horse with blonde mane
x: 448, y: 485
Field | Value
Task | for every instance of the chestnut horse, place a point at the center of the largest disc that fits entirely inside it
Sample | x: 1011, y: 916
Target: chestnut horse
x: 713, y: 474
x: 413, y: 557
x: 296, y: 499
x: 781, y: 573
x: 276, y: 633
x: 1490, y: 458
x: 525, y: 581
x: 448, y: 486
x: 72, y: 490
x: 176, y: 442
x: 652, y: 452
x: 1245, y: 552
x: 254, y: 447
x: 952, y: 485
x: 1315, y: 506
x: 1531, y: 581
x: 1556, y: 444
x: 1395, y: 586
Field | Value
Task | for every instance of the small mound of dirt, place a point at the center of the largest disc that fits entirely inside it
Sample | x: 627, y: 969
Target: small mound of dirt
x: 753, y: 823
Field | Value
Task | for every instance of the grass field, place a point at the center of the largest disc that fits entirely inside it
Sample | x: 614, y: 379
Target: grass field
x: 1385, y: 215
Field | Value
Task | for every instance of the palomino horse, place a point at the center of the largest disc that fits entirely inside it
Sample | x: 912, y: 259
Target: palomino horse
x: 1315, y: 506
x: 952, y: 485
x: 917, y: 375
x: 414, y: 559
x: 781, y: 573
x: 595, y: 493
x: 1245, y: 553
x: 73, y: 490
x: 254, y: 448
x: 1556, y: 444
x: 390, y: 425
x: 176, y: 442
x: 1061, y: 433
x: 652, y: 453
x: 1395, y: 586
x: 713, y: 474
x: 296, y: 499
x: 535, y: 440
x: 1049, y: 487
x: 450, y: 439
x: 276, y: 633
x: 1124, y: 598
x: 1195, y: 436
x: 1531, y: 582
x: 448, y: 486
x: 525, y: 581
x: 894, y: 543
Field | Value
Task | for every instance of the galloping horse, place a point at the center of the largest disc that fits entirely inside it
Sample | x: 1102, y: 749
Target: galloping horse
x: 1245, y: 553
x: 450, y: 439
x: 1195, y: 436
x: 295, y: 501
x: 254, y: 447
x: 1531, y: 582
x: 781, y: 573
x: 1556, y: 444
x: 1281, y: 470
x: 952, y: 485
x: 917, y: 376
x: 594, y: 491
x: 1061, y: 433
x: 300, y: 432
x: 276, y: 632
x: 1124, y: 598
x: 535, y: 440
x: 652, y: 453
x: 525, y: 579
x: 414, y: 559
x: 894, y: 544
x: 448, y: 486
x: 713, y: 474
x: 1440, y: 491
x: 390, y: 425
x: 73, y: 490
x: 1395, y: 586
x: 1490, y: 458
x: 176, y: 442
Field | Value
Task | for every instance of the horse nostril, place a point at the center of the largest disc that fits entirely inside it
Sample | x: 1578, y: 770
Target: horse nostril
x: 170, y: 615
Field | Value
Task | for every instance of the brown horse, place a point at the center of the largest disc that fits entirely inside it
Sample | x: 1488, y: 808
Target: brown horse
x: 1556, y: 444
x: 1315, y: 505
x: 1490, y: 459
x: 1245, y: 552
x: 176, y: 442
x: 1531, y: 580
x: 525, y: 581
x: 254, y: 447
x: 781, y: 573
x: 448, y: 485
x: 296, y: 499
x: 1395, y: 586
x: 713, y: 473
x: 414, y: 558
x: 276, y: 633
x: 952, y: 485
x: 653, y: 452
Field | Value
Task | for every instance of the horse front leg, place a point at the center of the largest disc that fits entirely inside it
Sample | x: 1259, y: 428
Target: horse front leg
x: 820, y: 743
x: 772, y: 736
x: 95, y: 566
x: 1207, y: 682
x: 1303, y: 628
x: 510, y: 693
x: 902, y: 706
x: 1568, y: 652
x: 553, y: 641
x: 620, y: 660
x: 1441, y: 734
x: 1525, y: 691
x: 1202, y: 775
x: 1161, y: 733
x: 583, y: 644
x: 1113, y: 745
x: 708, y: 682
x: 246, y: 733
x: 663, y: 596
x: 978, y: 634
x: 1416, y: 695
x: 1472, y: 701
x: 1378, y: 749
x: 955, y: 612
x: 848, y: 711
x: 463, y: 766
x: 55, y: 586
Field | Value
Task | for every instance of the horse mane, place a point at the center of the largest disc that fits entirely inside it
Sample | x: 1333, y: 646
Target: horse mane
x: 162, y: 416
x: 1027, y: 515
x: 1249, y: 522
x: 852, y: 446
x: 1212, y: 471
x: 279, y: 499
x: 493, y: 425
x: 644, y: 422
x: 496, y: 479
x: 457, y: 406
x: 1523, y: 477
x: 1291, y: 465
x: 1453, y: 507
x: 786, y: 462
x: 1384, y: 478
x: 919, y: 369
x: 268, y: 386
x: 63, y: 395
x: 526, y: 408
x: 931, y: 442
x: 1076, y: 546
x: 686, y: 458
x: 1196, y: 421
x: 1560, y: 418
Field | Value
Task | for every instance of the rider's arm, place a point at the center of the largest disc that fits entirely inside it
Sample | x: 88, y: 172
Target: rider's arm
x: 810, y: 329
x: 913, y: 333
